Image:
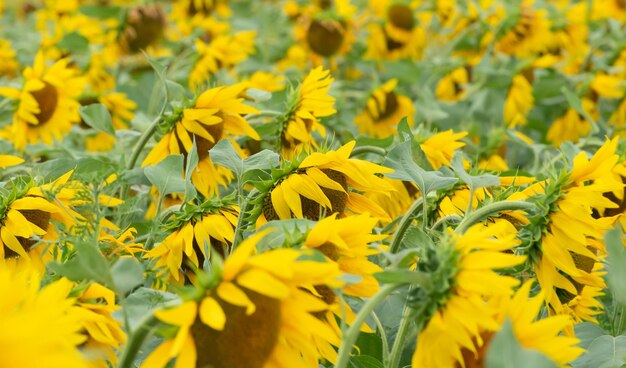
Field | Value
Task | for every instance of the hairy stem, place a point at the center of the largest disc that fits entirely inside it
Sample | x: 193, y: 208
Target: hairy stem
x: 491, y: 209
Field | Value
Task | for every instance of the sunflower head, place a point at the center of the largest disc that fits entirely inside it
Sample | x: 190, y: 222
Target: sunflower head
x: 384, y: 110
x: 267, y: 291
x: 144, y: 27
x: 401, y: 16
x: 326, y: 36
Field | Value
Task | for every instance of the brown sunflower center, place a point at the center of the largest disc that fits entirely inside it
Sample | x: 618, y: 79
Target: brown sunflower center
x: 144, y: 26
x: 326, y: 37
x: 47, y: 98
x: 329, y: 250
x: 477, y: 360
x: 401, y: 16
x: 389, y: 107
x: 246, y: 341
x: 36, y: 217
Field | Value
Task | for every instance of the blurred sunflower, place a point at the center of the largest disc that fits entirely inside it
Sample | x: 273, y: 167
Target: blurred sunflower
x: 471, y: 261
x: 94, y: 308
x: 440, y: 147
x: 9, y: 66
x: 397, y: 201
x: 384, y: 110
x: 38, y: 326
x: 566, y: 257
x: 216, y: 114
x: 399, y: 36
x: 530, y: 35
x: 312, y: 102
x: 223, y: 52
x: 326, y: 183
x: 121, y: 109
x: 143, y: 29
x: 519, y: 101
x: 47, y: 105
x: 8, y: 160
x: 452, y: 86
x: 191, y: 15
x: 266, y: 81
x: 268, y: 291
x: 543, y: 335
x: 194, y: 236
x: 571, y: 126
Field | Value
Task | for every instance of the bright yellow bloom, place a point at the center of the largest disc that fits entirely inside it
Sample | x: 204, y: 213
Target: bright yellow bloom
x: 325, y: 183
x: 217, y: 114
x: 384, y: 110
x: 39, y: 329
x: 313, y: 102
x: 439, y: 149
x: 608, y: 86
x: 571, y: 126
x: 7, y: 160
x: 518, y: 102
x: 266, y: 81
x: 455, y: 326
x: 262, y: 302
x: 530, y: 36
x: 48, y: 103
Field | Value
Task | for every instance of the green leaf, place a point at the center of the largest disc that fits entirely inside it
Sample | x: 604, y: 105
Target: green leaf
x: 576, y: 103
x: 101, y: 11
x: 224, y: 154
x: 167, y: 175
x: 415, y: 237
x: 127, y: 274
x: 190, y: 166
x: 586, y: 332
x: 159, y: 68
x: 142, y: 302
x: 604, y: 352
x: 506, y: 352
x: 98, y: 117
x: 258, y: 95
x: 365, y: 361
x: 473, y: 181
x: 400, y: 159
x: 87, y: 264
x: 616, y: 259
x: 74, y: 42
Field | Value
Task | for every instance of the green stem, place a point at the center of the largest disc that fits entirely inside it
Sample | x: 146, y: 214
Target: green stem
x: 491, y: 209
x: 399, y: 343
x: 445, y: 219
x: 383, y: 336
x: 369, y: 149
x: 136, y: 340
x: 145, y: 137
x: 243, y: 209
x: 355, y: 329
x: 404, y: 224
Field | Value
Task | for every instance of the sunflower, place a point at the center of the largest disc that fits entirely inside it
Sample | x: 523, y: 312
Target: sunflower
x: 519, y: 101
x: 566, y: 257
x: 399, y: 36
x: 571, y: 126
x: 9, y: 67
x: 144, y: 27
x: 266, y: 81
x: 326, y: 182
x: 452, y: 86
x: 531, y: 34
x: 543, y: 335
x: 223, y: 52
x: 384, y: 110
x: 38, y: 326
x: 457, y: 320
x: 121, y: 109
x: 209, y: 228
x: 191, y: 15
x: 267, y: 291
x: 47, y: 105
x: 608, y: 86
x: 397, y: 201
x: 94, y: 308
x: 312, y: 103
x: 216, y: 114
x: 440, y: 147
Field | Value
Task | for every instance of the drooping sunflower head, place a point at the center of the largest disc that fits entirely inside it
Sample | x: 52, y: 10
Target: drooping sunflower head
x: 325, y: 183
x: 216, y: 114
x: 311, y: 102
x: 144, y: 26
x: 196, y: 232
x: 440, y: 147
x: 452, y: 86
x: 565, y: 237
x: 384, y: 110
x: 463, y: 280
x: 530, y: 35
x: 268, y: 292
x: 47, y: 105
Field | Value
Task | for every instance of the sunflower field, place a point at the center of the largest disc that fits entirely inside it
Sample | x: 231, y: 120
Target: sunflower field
x: 312, y: 183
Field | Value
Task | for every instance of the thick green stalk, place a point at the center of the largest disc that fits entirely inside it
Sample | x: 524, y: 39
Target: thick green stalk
x: 353, y: 332
x: 243, y: 209
x: 491, y: 209
x: 399, y: 343
x: 369, y: 149
x: 404, y: 224
x: 136, y: 340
